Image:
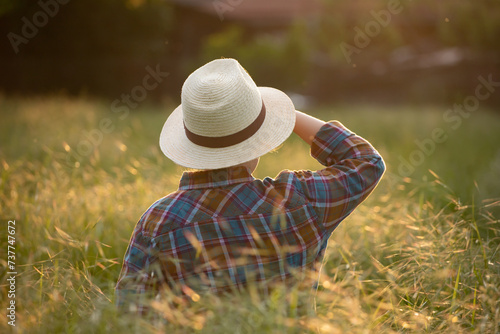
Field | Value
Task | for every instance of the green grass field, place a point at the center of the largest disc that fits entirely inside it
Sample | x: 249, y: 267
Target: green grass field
x: 422, y: 254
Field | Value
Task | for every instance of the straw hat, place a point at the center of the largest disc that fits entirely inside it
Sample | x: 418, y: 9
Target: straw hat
x: 225, y: 119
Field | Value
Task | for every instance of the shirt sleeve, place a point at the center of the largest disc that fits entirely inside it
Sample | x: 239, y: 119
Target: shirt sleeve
x: 135, y: 284
x: 353, y: 169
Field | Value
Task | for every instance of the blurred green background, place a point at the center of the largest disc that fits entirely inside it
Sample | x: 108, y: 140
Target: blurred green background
x: 422, y: 52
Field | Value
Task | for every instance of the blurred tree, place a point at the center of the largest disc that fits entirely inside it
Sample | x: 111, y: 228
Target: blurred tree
x: 277, y: 59
x: 101, y: 47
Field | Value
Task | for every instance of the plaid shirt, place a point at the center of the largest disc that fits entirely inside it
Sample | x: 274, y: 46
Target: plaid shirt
x: 222, y: 228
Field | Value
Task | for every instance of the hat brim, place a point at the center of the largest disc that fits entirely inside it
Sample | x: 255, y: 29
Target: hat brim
x: 276, y: 128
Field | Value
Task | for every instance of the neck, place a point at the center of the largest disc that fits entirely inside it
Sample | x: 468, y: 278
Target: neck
x: 251, y: 165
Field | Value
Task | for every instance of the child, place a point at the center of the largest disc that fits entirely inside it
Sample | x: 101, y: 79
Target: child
x: 223, y: 228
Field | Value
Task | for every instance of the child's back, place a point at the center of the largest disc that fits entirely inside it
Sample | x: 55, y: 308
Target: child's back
x: 223, y: 228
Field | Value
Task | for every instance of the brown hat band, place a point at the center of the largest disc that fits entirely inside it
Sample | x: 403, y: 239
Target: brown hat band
x: 229, y: 140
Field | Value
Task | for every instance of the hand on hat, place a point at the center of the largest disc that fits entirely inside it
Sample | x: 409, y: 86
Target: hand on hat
x: 307, y: 126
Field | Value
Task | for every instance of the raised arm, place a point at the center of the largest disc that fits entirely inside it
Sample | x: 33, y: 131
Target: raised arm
x: 352, y: 168
x: 307, y: 126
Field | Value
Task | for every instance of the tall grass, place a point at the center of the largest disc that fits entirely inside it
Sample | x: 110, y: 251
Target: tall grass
x: 422, y: 254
